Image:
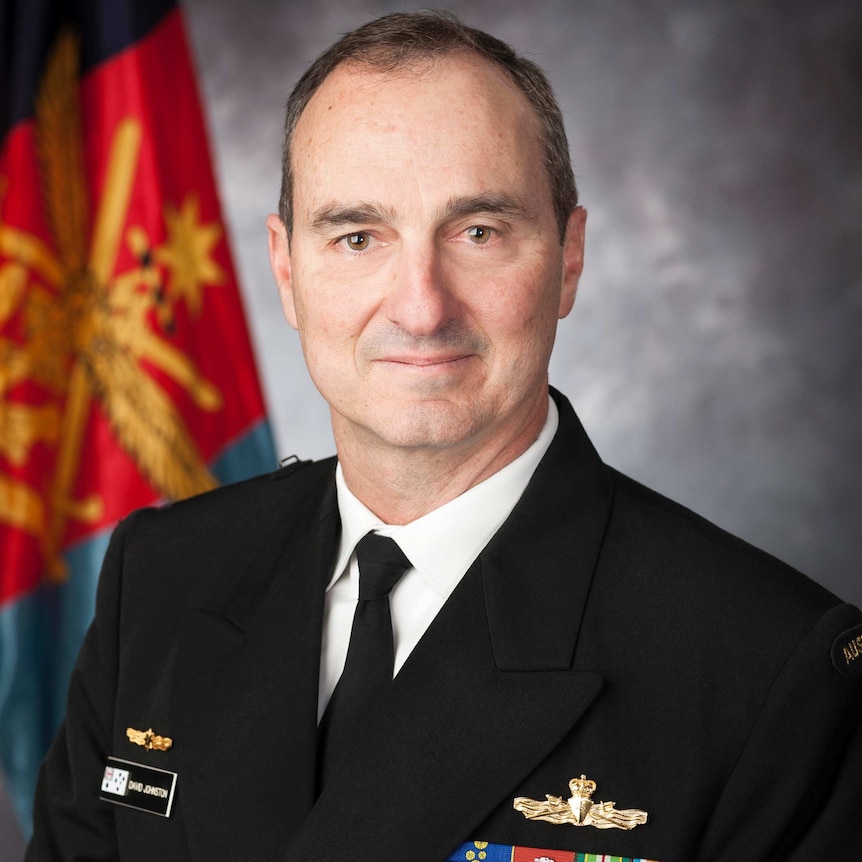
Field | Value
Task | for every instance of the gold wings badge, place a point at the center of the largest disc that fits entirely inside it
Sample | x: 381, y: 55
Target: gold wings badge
x: 148, y: 739
x: 579, y: 809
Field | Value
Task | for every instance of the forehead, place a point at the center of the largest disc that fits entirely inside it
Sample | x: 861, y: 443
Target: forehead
x: 457, y: 119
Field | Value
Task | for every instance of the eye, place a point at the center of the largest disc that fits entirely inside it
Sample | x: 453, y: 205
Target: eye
x: 356, y: 241
x: 479, y: 234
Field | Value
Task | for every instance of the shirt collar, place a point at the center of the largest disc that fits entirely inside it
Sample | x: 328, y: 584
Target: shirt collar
x: 443, y: 543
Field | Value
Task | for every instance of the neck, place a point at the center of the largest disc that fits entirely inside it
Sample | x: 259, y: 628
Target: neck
x: 401, y: 484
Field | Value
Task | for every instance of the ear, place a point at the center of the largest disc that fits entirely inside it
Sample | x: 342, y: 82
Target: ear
x: 573, y: 258
x: 279, y: 260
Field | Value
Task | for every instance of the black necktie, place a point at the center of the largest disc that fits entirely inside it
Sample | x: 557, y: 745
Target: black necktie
x: 370, y: 655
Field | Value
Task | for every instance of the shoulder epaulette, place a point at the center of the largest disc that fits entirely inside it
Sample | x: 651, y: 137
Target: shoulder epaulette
x: 289, y: 465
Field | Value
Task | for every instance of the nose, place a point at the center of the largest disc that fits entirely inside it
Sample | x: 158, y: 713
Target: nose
x: 420, y: 299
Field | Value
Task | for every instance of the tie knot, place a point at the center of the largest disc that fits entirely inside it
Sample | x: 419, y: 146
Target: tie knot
x: 381, y: 564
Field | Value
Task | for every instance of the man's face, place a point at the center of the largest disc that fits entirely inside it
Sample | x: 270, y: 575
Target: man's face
x: 425, y: 272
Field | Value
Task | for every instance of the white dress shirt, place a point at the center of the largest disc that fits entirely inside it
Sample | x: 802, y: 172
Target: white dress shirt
x: 441, y: 545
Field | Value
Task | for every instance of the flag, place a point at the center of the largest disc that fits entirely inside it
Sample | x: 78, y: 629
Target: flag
x: 126, y: 372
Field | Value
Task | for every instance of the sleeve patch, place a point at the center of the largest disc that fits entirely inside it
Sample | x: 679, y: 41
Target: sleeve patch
x: 847, y: 652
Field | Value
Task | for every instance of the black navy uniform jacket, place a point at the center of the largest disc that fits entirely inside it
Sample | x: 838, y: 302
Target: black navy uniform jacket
x: 604, y: 630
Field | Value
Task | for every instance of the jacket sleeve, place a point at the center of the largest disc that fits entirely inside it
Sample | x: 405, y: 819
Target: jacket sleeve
x: 69, y: 821
x: 795, y: 790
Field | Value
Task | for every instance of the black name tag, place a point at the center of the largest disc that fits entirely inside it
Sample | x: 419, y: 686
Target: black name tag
x: 137, y: 786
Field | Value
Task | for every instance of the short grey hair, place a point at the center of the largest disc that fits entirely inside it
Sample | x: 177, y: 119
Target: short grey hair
x: 395, y: 41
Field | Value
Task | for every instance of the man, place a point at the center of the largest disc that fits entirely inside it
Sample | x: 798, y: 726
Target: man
x: 561, y: 636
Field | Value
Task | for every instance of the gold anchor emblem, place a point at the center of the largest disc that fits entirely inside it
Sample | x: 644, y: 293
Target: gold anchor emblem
x: 148, y: 739
x: 579, y: 809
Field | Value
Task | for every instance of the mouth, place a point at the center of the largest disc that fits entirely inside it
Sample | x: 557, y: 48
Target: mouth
x: 427, y: 363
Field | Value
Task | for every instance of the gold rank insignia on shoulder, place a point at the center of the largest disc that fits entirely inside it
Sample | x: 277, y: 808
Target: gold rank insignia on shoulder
x: 579, y: 809
x: 847, y: 652
x: 148, y: 739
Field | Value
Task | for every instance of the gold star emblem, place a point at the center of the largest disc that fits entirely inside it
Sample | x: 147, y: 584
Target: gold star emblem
x: 187, y: 253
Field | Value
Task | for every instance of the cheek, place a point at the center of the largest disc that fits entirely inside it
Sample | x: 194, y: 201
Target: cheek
x: 340, y: 294
x: 330, y: 331
x: 323, y: 308
x: 523, y: 307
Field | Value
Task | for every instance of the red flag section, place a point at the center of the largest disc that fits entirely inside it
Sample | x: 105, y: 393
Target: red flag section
x: 126, y: 372
x: 126, y: 362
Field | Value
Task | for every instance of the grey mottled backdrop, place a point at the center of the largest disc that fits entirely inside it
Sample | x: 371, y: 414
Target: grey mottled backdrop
x: 715, y: 346
x: 716, y: 343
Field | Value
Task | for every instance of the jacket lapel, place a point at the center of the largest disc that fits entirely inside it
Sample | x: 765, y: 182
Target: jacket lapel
x: 490, y: 690
x: 245, y: 694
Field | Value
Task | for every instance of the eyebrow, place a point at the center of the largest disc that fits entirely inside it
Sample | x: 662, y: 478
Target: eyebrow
x: 490, y: 204
x: 333, y: 215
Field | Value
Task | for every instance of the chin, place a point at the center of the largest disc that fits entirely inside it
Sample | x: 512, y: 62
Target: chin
x: 425, y: 426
